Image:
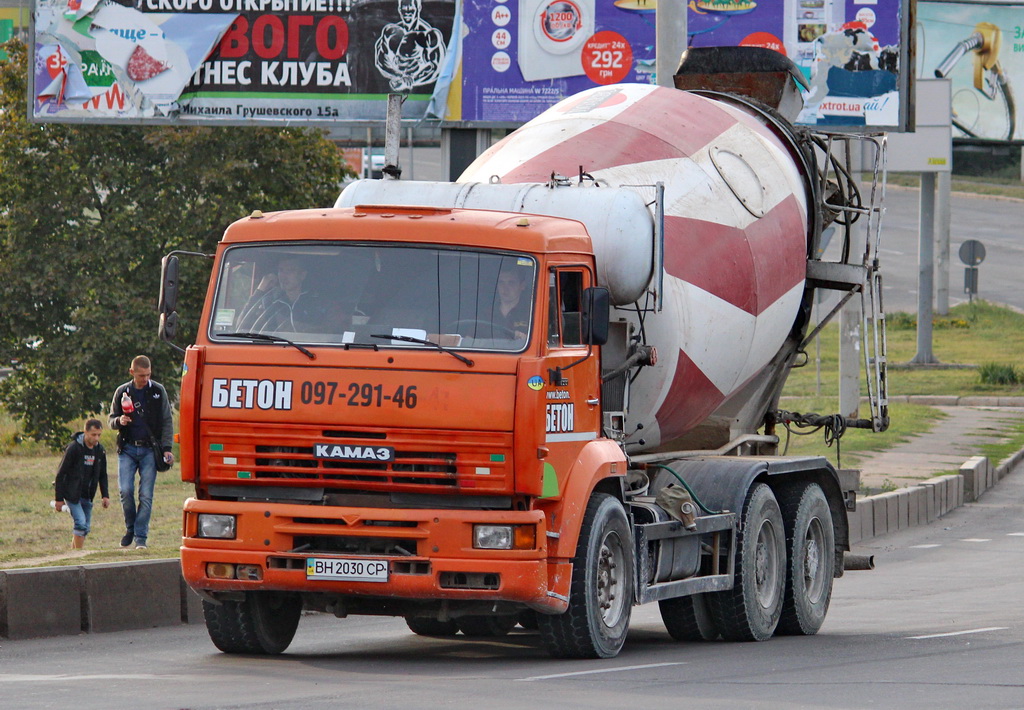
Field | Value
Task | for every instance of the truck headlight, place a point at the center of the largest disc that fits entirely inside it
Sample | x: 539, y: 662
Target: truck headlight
x: 221, y: 527
x: 504, y: 537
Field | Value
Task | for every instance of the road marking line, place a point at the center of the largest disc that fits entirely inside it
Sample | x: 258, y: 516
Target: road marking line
x: 959, y: 633
x: 25, y: 678
x: 604, y: 670
x: 924, y: 547
x: 976, y: 539
x: 1015, y: 534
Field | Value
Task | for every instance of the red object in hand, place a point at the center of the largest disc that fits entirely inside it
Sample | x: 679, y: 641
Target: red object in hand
x: 127, y: 405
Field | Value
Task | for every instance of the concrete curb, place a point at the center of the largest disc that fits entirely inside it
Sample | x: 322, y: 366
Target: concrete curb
x: 928, y: 500
x: 65, y: 601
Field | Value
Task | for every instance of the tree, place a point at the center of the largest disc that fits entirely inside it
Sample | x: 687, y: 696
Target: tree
x: 87, y: 212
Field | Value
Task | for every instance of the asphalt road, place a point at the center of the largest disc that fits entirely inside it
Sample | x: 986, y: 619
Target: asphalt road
x: 996, y: 223
x: 938, y: 624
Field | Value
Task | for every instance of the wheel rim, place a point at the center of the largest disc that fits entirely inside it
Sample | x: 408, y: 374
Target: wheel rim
x: 766, y: 565
x: 814, y: 561
x: 610, y: 568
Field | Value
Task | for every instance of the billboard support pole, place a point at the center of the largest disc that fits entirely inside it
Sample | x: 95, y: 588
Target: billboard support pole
x: 393, y: 137
x: 942, y: 219
x: 925, y: 271
x: 670, y: 40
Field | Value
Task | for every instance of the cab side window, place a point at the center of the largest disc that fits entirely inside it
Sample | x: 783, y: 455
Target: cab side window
x: 565, y: 317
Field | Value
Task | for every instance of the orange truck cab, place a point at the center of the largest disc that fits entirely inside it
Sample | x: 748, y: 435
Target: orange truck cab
x: 370, y: 431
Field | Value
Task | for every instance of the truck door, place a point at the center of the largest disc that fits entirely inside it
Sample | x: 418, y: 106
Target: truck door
x: 572, y: 414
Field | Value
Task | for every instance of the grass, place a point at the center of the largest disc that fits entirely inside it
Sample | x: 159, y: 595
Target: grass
x: 999, y: 187
x: 30, y: 529
x: 972, y: 335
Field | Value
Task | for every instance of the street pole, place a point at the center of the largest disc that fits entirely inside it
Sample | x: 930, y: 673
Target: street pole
x: 670, y: 40
x: 925, y: 271
x: 943, y: 215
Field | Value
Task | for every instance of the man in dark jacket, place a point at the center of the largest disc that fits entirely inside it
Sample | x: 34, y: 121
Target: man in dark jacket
x: 81, y: 471
x: 141, y: 414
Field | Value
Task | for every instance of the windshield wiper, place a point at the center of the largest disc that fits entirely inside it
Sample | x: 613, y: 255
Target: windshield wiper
x: 424, y: 341
x: 270, y: 339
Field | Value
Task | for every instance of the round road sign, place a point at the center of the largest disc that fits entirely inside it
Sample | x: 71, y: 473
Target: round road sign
x: 972, y: 252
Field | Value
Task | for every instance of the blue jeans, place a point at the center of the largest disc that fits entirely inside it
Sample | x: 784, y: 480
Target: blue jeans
x: 131, y: 459
x: 81, y: 513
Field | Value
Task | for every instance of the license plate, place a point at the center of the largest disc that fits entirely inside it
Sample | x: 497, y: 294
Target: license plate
x: 347, y: 570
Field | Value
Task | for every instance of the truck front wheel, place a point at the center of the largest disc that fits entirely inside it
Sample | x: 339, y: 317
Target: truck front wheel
x: 486, y: 625
x: 425, y: 626
x: 750, y: 610
x: 263, y: 623
x: 810, y: 568
x: 601, y: 594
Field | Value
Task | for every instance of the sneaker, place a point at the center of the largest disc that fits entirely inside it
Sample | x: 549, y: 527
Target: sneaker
x: 141, y: 547
x: 126, y: 539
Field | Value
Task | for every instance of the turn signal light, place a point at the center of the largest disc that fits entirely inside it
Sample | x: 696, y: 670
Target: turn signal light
x: 524, y: 537
x: 505, y: 537
x: 220, y: 570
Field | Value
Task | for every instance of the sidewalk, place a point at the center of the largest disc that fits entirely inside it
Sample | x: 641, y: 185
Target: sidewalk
x: 937, y: 471
x: 950, y: 443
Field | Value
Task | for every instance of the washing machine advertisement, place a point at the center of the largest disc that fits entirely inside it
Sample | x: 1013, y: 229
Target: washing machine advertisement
x: 522, y: 56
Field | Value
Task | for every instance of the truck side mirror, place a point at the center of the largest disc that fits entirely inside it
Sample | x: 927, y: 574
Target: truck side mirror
x: 168, y: 285
x: 596, y: 315
x: 168, y: 326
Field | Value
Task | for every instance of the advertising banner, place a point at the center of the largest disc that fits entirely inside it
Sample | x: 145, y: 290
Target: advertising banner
x: 281, y: 61
x: 980, y: 48
x: 521, y: 56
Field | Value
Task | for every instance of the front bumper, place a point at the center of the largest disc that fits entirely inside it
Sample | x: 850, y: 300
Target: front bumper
x: 429, y: 553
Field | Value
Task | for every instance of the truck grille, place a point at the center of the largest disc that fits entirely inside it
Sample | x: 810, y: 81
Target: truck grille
x: 431, y: 461
x: 440, y: 467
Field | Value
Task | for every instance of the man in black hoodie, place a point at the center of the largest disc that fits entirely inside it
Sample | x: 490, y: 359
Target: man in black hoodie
x: 83, y: 468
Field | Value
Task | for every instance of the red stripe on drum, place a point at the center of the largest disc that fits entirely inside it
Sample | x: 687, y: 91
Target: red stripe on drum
x: 749, y: 268
x: 665, y: 124
x: 690, y: 399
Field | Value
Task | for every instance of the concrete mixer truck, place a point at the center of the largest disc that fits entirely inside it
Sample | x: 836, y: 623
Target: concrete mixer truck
x: 540, y: 395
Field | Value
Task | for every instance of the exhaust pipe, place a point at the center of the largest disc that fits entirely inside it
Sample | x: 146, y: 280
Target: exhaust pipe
x: 858, y: 562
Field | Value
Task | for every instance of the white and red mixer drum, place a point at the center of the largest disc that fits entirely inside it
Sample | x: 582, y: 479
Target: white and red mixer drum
x: 735, y: 232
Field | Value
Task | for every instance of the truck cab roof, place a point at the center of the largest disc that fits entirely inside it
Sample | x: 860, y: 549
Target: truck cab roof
x: 431, y: 225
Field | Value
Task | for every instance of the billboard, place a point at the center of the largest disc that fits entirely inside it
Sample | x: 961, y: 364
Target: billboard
x: 471, y: 62
x: 209, y: 61
x: 980, y: 48
x: 521, y: 56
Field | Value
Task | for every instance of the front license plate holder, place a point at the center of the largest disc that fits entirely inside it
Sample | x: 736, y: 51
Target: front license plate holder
x: 346, y: 569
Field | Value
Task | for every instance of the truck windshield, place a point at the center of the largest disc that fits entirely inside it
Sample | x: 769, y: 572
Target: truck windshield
x: 345, y: 294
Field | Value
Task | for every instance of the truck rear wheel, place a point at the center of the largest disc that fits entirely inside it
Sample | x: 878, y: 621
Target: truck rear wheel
x: 688, y: 619
x: 486, y: 625
x: 601, y: 594
x: 810, y: 567
x: 423, y: 626
x: 750, y: 610
x: 263, y: 623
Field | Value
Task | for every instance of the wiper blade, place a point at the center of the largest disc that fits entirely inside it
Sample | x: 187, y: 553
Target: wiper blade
x: 424, y: 341
x: 270, y: 339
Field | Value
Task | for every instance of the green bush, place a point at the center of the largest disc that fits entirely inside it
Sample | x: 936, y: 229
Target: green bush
x: 994, y: 373
x: 900, y: 321
x: 908, y: 321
